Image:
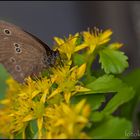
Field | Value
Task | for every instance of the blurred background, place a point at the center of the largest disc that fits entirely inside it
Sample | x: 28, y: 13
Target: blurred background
x: 46, y: 19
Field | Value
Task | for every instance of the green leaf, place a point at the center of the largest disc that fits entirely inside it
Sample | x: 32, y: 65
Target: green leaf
x: 78, y: 59
x: 29, y: 131
x: 105, y: 84
x: 132, y: 79
x: 124, y: 95
x: 114, y: 128
x: 113, y: 61
x: 94, y: 100
x: 87, y: 79
x: 34, y: 129
x: 3, y: 76
x: 96, y: 116
x: 36, y: 136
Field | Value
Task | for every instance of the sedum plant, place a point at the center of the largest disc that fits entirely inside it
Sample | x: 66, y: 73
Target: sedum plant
x: 72, y: 100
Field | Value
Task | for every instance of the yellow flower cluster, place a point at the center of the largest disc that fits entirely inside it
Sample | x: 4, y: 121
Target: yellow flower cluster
x: 33, y: 100
x: 67, y: 121
x: 96, y: 39
x: 47, y: 100
x: 68, y: 46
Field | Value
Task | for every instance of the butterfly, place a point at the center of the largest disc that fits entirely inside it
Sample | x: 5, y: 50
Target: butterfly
x: 23, y: 54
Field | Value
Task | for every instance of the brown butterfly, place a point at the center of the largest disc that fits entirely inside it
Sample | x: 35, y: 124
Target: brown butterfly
x: 23, y: 54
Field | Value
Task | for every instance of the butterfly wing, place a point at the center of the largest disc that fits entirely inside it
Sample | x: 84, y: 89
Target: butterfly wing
x: 20, y: 53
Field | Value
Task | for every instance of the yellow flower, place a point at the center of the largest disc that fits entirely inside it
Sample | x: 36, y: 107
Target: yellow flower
x: 25, y: 102
x: 67, y: 80
x: 68, y: 46
x: 115, y: 45
x: 66, y: 121
x: 94, y: 39
x: 5, y: 122
x: 13, y: 88
x: 26, y: 106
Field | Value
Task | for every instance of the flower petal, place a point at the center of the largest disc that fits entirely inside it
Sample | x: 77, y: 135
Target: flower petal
x: 81, y: 89
x: 28, y: 118
x: 58, y: 40
x: 81, y: 71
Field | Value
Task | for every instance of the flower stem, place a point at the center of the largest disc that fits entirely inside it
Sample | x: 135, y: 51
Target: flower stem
x: 89, y: 60
x: 23, y: 134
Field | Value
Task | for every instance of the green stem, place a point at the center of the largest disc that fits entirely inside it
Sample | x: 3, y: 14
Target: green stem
x: 89, y: 60
x: 23, y: 133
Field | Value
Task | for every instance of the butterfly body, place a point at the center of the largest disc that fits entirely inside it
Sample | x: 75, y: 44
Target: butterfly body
x: 23, y: 54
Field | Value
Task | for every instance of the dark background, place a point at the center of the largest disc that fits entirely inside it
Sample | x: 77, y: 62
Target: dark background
x: 47, y: 19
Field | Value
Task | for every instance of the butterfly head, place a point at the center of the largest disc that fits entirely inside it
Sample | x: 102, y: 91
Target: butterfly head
x: 53, y: 59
